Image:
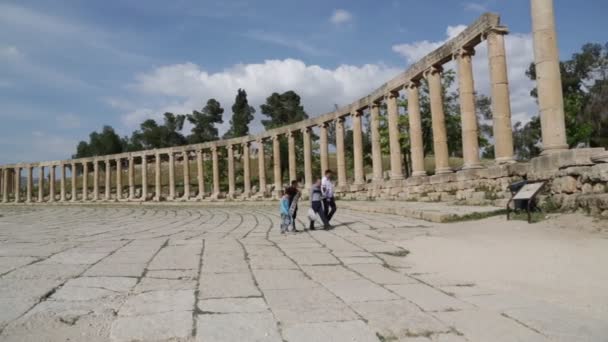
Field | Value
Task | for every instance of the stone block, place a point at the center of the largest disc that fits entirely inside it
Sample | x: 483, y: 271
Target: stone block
x: 566, y: 184
x: 498, y: 171
x: 443, y: 178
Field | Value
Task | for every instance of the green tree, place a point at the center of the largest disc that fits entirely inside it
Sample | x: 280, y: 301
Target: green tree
x: 242, y: 114
x: 152, y: 135
x: 102, y: 143
x: 204, y: 122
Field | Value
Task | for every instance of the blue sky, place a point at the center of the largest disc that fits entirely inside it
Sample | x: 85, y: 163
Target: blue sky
x: 69, y: 67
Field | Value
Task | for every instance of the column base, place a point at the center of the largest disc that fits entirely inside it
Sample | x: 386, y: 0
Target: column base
x: 443, y: 171
x: 419, y: 173
x: 472, y: 167
x: 505, y: 160
x: 397, y: 177
x: 554, y: 149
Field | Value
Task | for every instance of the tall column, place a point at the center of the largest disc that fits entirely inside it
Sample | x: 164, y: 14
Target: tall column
x: 393, y: 135
x: 306, y: 132
x: 4, y: 185
x: 118, y: 179
x: 41, y: 183
x: 501, y: 103
x: 291, y: 144
x: 144, y: 178
x: 246, y: 170
x: 85, y: 181
x: 200, y: 174
x: 28, y: 194
x: 440, y: 138
x: 415, y: 121
x: 324, y: 147
x: 548, y: 77
x: 52, y: 183
x: 131, y: 176
x: 468, y: 115
x: 376, y: 148
x: 17, y: 185
x: 261, y: 167
x: 95, y: 180
x: 358, y: 147
x: 340, y: 156
x: 108, y: 178
x: 186, y: 169
x: 62, y: 182
x: 231, y: 185
x: 216, y: 172
x: 171, y: 177
x: 276, y: 164
x: 157, y: 178
x: 73, y: 174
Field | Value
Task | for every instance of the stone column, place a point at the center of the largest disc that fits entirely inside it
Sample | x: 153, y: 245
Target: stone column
x: 95, y: 180
x: 108, y: 179
x: 4, y: 185
x: 358, y: 147
x: 131, y: 176
x: 306, y: 132
x: 73, y: 181
x: 231, y: 185
x: 440, y: 138
x: 200, y: 174
x: 324, y: 148
x: 276, y: 164
x: 415, y: 120
x: 376, y: 148
x: 157, y: 178
x: 52, y: 183
x: 216, y: 172
x: 340, y: 156
x: 85, y: 181
x: 261, y: 167
x: 246, y: 170
x: 17, y: 184
x: 468, y: 115
x: 118, y: 179
x: 171, y: 177
x: 28, y: 194
x: 501, y: 103
x: 62, y: 182
x: 548, y: 77
x: 186, y: 169
x: 144, y: 178
x: 41, y: 184
x: 291, y: 142
x: 393, y: 135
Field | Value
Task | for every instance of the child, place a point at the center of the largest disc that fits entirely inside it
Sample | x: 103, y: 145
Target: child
x: 316, y: 204
x: 285, y: 217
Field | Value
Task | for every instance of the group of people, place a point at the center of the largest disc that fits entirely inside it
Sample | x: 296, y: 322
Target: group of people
x: 322, y: 203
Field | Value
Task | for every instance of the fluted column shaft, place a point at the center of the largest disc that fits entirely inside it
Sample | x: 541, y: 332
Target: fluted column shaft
x: 246, y: 170
x: 131, y: 176
x: 340, y: 155
x: 323, y: 148
x: 501, y: 103
x: 261, y: 167
x: 200, y: 174
x: 276, y: 163
x: 52, y: 183
x: 108, y: 179
x: 157, y: 178
x: 376, y: 148
x: 307, y: 157
x: 144, y: 178
x: 171, y: 177
x: 62, y: 182
x: 118, y: 179
x: 85, y: 182
x: 17, y: 184
x: 415, y: 121
x: 468, y: 115
x: 30, y: 185
x: 216, y: 172
x: 440, y: 138
x: 95, y: 180
x: 4, y: 185
x: 548, y: 77
x: 41, y: 184
x: 358, y: 147
x: 231, y: 185
x: 73, y: 181
x: 291, y: 144
x: 186, y: 169
x: 393, y: 135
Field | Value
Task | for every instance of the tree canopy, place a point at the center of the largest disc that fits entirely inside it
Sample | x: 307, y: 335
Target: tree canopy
x: 204, y: 122
x: 242, y: 114
x: 104, y: 142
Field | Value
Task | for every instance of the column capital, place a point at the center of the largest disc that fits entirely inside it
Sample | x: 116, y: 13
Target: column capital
x: 244, y: 144
x: 324, y: 124
x: 498, y: 30
x: 412, y: 84
x: 465, y: 51
x: 340, y: 119
x: 435, y: 69
x: 213, y: 149
x: 275, y: 137
x: 291, y: 134
x: 392, y: 94
x: 357, y: 112
x: 374, y: 104
x: 306, y: 130
x: 229, y: 147
x: 260, y: 140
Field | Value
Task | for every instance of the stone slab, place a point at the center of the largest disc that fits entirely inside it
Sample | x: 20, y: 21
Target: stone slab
x: 256, y: 327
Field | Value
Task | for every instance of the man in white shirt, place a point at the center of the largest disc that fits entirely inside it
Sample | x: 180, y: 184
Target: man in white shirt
x: 327, y: 189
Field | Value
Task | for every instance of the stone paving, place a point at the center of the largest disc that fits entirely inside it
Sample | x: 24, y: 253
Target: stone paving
x: 224, y: 273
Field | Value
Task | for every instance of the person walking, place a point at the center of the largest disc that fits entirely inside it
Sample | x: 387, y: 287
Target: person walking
x: 284, y: 209
x: 327, y: 189
x: 317, y: 206
x: 294, y: 196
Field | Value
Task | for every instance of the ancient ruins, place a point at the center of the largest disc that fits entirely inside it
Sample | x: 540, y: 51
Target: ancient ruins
x: 574, y: 171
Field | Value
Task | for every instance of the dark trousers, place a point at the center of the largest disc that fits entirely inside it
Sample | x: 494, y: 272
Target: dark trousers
x: 329, y: 203
x: 317, y: 206
x: 293, y: 222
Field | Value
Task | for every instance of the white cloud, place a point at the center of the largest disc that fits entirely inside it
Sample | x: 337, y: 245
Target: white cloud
x: 184, y: 87
x: 278, y: 39
x: 68, y: 121
x: 520, y: 54
x: 10, y: 52
x: 475, y: 7
x: 341, y: 16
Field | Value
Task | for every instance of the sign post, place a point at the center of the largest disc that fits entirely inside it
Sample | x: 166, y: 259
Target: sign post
x: 527, y: 193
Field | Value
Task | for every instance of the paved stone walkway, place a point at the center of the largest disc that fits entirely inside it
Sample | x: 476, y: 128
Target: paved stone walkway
x: 226, y: 274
